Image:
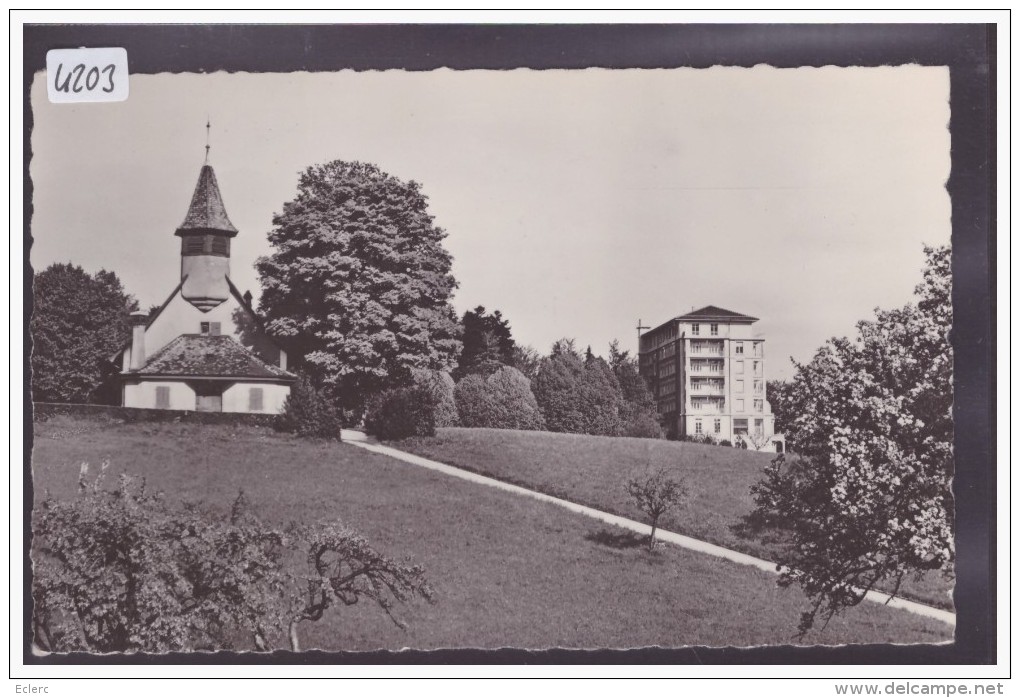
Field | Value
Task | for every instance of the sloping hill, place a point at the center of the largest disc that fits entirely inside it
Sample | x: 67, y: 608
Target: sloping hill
x: 593, y: 470
x: 508, y: 571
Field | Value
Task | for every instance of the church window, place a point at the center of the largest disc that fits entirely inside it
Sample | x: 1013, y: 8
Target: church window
x: 255, y: 399
x: 162, y: 397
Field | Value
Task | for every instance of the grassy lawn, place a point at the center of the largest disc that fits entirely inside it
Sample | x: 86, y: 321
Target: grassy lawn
x: 593, y: 470
x: 508, y: 571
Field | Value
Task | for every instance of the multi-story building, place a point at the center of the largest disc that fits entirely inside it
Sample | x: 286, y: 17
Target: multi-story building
x: 707, y: 372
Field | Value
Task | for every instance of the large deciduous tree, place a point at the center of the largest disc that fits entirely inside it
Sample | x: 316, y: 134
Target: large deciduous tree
x: 79, y: 321
x: 867, y: 500
x: 359, y: 283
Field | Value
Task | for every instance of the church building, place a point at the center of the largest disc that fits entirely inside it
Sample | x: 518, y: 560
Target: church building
x: 204, y: 349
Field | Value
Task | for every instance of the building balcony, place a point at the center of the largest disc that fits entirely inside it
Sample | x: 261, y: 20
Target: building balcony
x: 706, y: 406
x: 707, y: 350
x: 697, y: 388
x: 705, y: 369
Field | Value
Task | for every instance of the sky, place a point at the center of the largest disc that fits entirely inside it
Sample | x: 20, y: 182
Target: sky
x: 576, y: 202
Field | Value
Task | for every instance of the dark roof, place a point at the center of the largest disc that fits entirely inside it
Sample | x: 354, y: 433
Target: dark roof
x: 206, y: 212
x: 711, y: 312
x: 209, y: 355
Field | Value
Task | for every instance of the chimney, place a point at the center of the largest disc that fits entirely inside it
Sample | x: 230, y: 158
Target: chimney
x: 138, y: 320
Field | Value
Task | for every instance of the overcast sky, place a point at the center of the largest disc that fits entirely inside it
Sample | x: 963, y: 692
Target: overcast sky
x: 575, y: 201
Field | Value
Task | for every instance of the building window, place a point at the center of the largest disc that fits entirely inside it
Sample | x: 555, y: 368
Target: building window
x: 695, y: 329
x: 759, y: 425
x: 759, y: 405
x: 718, y: 426
x: 757, y: 387
x: 714, y: 329
x: 204, y: 327
x: 738, y: 348
x: 697, y: 426
x: 255, y: 399
x: 739, y: 386
x: 214, y: 329
x: 738, y: 367
x: 757, y: 368
x: 162, y: 397
x: 740, y: 406
x: 739, y: 426
x: 757, y: 348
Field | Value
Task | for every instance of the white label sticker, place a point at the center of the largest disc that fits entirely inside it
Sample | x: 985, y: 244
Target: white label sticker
x: 87, y: 75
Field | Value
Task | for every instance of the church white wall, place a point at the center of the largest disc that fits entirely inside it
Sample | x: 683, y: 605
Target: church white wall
x: 143, y: 394
x: 181, y: 317
x: 236, y: 397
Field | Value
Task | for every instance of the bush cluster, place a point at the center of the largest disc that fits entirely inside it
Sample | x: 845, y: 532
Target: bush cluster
x: 400, y: 413
x: 502, y: 401
x: 307, y: 412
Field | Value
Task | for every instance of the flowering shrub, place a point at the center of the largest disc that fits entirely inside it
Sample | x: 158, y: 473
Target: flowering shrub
x: 868, y: 498
x: 122, y: 571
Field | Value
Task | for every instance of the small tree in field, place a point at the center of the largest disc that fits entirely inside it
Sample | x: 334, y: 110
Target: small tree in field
x: 657, y: 495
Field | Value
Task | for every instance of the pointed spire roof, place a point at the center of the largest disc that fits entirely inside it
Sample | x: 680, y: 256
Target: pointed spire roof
x: 207, y: 212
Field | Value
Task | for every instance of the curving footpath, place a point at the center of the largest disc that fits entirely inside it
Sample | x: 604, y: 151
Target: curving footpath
x: 359, y: 439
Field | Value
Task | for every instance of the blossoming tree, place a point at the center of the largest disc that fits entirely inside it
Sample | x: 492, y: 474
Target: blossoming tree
x: 867, y: 498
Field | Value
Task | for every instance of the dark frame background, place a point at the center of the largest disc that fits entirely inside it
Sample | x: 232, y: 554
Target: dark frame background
x: 968, y: 50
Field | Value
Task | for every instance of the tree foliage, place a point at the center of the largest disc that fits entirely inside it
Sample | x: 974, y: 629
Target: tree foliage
x: 79, y: 321
x: 122, y: 570
x: 781, y: 401
x: 306, y: 412
x: 502, y: 401
x: 359, y: 283
x: 400, y: 413
x: 638, y: 414
x: 656, y: 496
x: 868, y: 500
x: 440, y: 386
x: 487, y: 342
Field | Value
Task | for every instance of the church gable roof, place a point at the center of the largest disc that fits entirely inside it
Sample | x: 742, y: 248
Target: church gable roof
x: 209, y: 356
x: 712, y: 312
x: 207, y: 212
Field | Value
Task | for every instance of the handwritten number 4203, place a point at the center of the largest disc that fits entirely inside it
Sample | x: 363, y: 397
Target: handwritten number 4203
x: 73, y: 79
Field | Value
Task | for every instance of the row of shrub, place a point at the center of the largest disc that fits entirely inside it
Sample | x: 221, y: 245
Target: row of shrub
x: 569, y: 393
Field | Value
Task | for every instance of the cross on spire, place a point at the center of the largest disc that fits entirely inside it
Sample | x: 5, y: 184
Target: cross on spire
x: 207, y: 125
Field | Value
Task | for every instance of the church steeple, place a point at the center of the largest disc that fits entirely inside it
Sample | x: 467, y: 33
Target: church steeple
x: 205, y: 242
x: 207, y: 212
